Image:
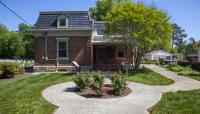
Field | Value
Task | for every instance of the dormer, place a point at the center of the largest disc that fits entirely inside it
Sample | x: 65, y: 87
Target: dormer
x: 62, y: 22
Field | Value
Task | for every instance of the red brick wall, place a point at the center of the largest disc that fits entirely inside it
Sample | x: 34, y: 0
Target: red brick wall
x: 114, y: 59
x: 79, y: 49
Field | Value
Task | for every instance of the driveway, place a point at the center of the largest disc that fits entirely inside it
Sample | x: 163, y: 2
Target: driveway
x: 141, y: 98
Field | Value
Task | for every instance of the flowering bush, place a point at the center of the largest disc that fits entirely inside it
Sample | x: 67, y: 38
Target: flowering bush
x: 118, y: 83
x: 82, y: 80
x: 9, y: 69
x: 97, y: 83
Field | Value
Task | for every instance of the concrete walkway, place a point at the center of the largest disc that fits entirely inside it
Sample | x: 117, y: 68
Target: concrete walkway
x: 142, y: 97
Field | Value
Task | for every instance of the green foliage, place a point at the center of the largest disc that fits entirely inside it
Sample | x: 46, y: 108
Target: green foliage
x: 82, y: 80
x: 27, y: 37
x: 102, y: 8
x: 176, y: 68
x: 97, y: 83
x: 16, y: 44
x: 9, y: 69
x: 92, y: 80
x: 178, y: 36
x: 139, y: 28
x: 180, y: 70
x: 150, y: 62
x: 118, y: 83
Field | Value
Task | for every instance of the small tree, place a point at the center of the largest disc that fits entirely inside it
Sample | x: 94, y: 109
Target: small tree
x: 139, y: 28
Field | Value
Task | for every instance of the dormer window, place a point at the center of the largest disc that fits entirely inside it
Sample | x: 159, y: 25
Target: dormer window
x: 62, y: 22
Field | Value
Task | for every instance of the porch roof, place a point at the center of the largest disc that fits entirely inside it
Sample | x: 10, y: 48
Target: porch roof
x: 103, y: 40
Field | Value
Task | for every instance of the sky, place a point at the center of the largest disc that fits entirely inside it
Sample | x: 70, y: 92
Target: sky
x: 186, y: 13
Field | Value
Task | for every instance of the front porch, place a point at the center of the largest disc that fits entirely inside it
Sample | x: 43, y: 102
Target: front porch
x: 108, y: 57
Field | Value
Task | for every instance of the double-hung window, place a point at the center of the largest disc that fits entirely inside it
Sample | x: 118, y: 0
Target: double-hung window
x: 62, y: 48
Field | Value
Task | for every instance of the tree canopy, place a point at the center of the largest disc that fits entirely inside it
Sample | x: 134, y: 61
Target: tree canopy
x: 102, y: 8
x: 16, y: 44
x: 139, y: 27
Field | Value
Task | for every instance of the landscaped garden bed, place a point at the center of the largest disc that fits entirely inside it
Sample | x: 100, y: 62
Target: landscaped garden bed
x: 91, y: 85
x: 183, y: 70
x: 108, y: 92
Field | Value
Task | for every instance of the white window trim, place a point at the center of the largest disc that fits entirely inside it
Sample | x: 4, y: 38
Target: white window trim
x: 117, y: 54
x: 58, y: 22
x: 67, y: 46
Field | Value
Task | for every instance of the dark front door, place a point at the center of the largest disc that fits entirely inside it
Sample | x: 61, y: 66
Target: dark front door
x: 101, y: 55
x: 104, y: 54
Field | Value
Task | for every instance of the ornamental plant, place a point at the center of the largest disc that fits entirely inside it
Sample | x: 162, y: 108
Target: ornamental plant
x: 9, y: 69
x: 97, y: 83
x: 82, y: 80
x: 118, y: 83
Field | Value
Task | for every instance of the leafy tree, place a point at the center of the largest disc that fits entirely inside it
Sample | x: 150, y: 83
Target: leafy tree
x: 139, y: 28
x: 11, y: 45
x: 25, y: 33
x: 178, y: 35
x: 103, y: 7
x: 191, y: 47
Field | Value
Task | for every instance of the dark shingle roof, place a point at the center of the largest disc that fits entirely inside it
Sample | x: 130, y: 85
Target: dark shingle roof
x: 77, y: 19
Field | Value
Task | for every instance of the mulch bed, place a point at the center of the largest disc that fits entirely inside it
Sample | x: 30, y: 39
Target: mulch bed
x: 108, y: 92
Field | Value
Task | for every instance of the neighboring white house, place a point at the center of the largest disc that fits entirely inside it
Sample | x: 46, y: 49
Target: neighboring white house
x: 160, y: 54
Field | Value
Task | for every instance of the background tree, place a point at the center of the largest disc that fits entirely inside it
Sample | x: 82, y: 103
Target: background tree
x: 191, y: 47
x: 178, y: 35
x: 139, y: 28
x: 11, y: 44
x: 27, y: 37
x: 103, y: 7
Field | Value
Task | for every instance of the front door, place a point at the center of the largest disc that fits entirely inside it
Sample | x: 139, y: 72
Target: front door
x: 101, y: 55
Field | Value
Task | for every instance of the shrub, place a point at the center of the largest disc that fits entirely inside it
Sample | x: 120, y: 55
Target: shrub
x: 194, y: 65
x: 9, y: 69
x: 176, y: 68
x: 118, y: 83
x: 97, y: 83
x: 82, y: 80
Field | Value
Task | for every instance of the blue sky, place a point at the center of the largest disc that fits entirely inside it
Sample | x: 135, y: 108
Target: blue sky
x: 186, y: 13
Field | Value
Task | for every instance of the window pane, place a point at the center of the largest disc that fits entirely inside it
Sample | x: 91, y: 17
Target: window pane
x: 62, y: 45
x: 120, y: 54
x: 62, y: 53
x: 62, y: 22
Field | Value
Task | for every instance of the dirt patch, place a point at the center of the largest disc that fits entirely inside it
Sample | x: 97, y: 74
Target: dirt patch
x: 107, y: 92
x: 13, y: 78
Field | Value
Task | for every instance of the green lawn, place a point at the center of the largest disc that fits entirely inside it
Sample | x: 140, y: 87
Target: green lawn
x: 179, y: 103
x: 23, y: 96
x: 148, y: 77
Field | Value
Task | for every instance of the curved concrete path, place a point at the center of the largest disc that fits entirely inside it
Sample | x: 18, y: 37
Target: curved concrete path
x: 142, y: 97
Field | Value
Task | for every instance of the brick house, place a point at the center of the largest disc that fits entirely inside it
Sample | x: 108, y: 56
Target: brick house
x: 64, y: 37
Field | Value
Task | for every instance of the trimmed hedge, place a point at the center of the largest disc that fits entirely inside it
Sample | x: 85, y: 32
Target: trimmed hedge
x: 9, y: 69
x: 194, y: 65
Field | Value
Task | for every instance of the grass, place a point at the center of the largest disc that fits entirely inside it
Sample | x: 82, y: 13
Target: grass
x: 187, y: 102
x: 147, y: 76
x: 23, y: 96
x: 185, y: 71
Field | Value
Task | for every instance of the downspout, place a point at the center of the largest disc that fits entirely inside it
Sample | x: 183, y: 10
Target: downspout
x: 46, y: 45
